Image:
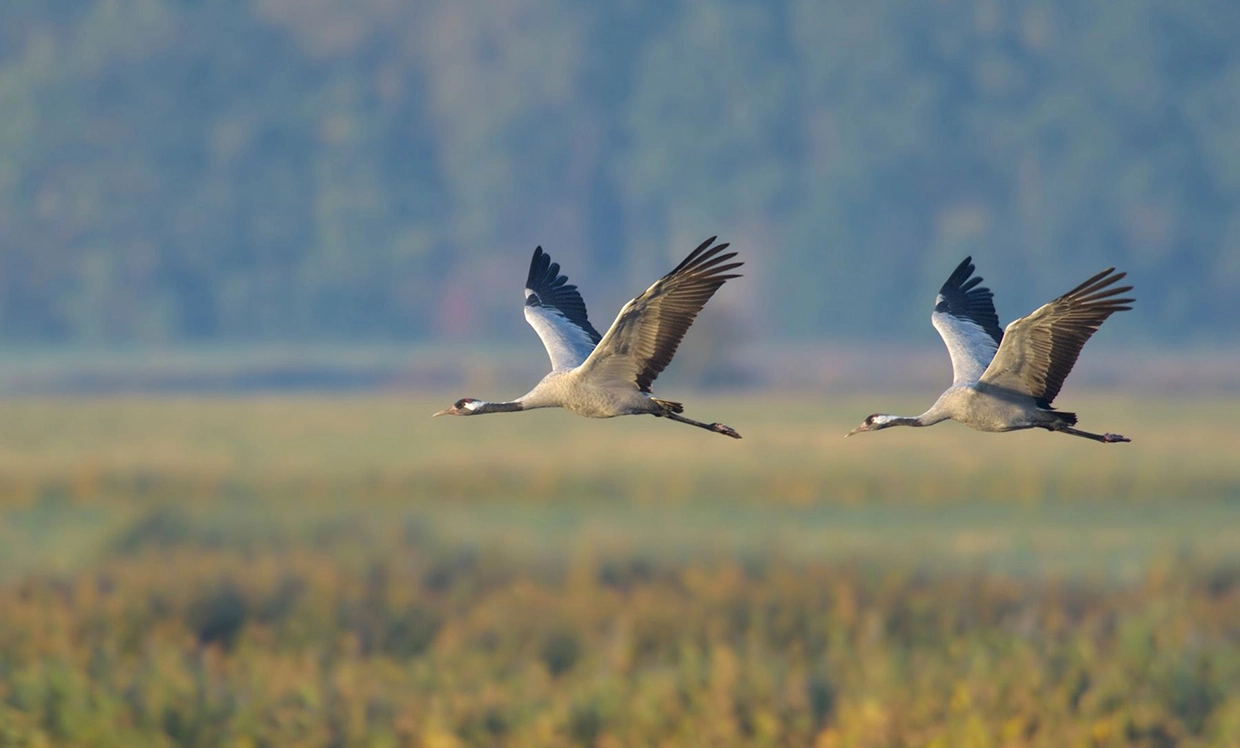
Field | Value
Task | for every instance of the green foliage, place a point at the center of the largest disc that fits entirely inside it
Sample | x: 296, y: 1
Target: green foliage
x: 242, y: 171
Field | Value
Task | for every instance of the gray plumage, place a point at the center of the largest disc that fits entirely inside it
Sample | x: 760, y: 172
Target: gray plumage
x: 1007, y: 380
x: 603, y: 376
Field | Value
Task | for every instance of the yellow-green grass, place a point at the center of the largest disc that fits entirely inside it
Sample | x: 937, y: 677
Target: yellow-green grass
x: 793, y: 452
x: 78, y: 469
x: 347, y: 571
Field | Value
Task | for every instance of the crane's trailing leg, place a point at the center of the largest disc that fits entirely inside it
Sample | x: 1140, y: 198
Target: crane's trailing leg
x: 1104, y: 438
x: 672, y: 410
x: 718, y: 428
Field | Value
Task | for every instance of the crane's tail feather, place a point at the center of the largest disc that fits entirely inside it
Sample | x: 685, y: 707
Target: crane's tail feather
x: 1066, y: 418
x: 674, y: 407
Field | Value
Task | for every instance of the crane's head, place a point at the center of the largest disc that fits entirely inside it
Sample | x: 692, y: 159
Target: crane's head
x: 466, y: 406
x: 872, y: 422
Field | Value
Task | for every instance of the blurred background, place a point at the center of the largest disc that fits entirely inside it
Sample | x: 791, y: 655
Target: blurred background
x: 247, y: 247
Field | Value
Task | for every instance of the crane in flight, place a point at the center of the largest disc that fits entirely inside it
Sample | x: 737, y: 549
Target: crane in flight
x: 1006, y: 380
x: 603, y: 376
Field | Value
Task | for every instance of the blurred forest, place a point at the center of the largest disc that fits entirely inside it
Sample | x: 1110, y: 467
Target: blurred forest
x: 174, y: 171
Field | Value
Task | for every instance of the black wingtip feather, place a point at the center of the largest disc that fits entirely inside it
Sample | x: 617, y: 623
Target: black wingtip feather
x: 703, y: 256
x: 965, y: 298
x: 538, y: 266
x: 550, y: 289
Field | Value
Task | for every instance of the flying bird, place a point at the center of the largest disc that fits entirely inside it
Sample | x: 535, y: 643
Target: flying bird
x: 603, y: 376
x: 1006, y: 380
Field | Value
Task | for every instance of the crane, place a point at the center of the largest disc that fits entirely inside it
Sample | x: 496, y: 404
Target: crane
x: 1006, y: 380
x: 603, y: 376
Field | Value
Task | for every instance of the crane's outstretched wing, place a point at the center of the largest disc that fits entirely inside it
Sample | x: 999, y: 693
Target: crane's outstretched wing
x: 555, y: 310
x: 1040, y: 349
x: 965, y: 317
x: 645, y: 335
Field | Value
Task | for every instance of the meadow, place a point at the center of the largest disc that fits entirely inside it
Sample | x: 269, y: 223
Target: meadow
x: 344, y: 571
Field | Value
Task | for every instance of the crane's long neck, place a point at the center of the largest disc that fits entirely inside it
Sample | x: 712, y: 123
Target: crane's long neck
x: 890, y: 420
x: 929, y: 418
x: 479, y: 407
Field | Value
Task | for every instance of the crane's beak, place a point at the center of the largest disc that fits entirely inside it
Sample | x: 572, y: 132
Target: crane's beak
x: 446, y: 412
x: 857, y: 430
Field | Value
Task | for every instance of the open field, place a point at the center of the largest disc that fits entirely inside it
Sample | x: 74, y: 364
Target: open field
x: 346, y: 571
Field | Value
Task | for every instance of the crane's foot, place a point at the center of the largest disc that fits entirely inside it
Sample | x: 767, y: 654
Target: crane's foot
x: 1114, y: 438
x: 725, y: 430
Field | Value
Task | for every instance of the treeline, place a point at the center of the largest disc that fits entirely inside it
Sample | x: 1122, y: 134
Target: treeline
x: 180, y: 171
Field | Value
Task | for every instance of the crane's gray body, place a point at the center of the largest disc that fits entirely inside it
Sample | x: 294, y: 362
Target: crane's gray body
x: 987, y: 408
x: 591, y: 397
